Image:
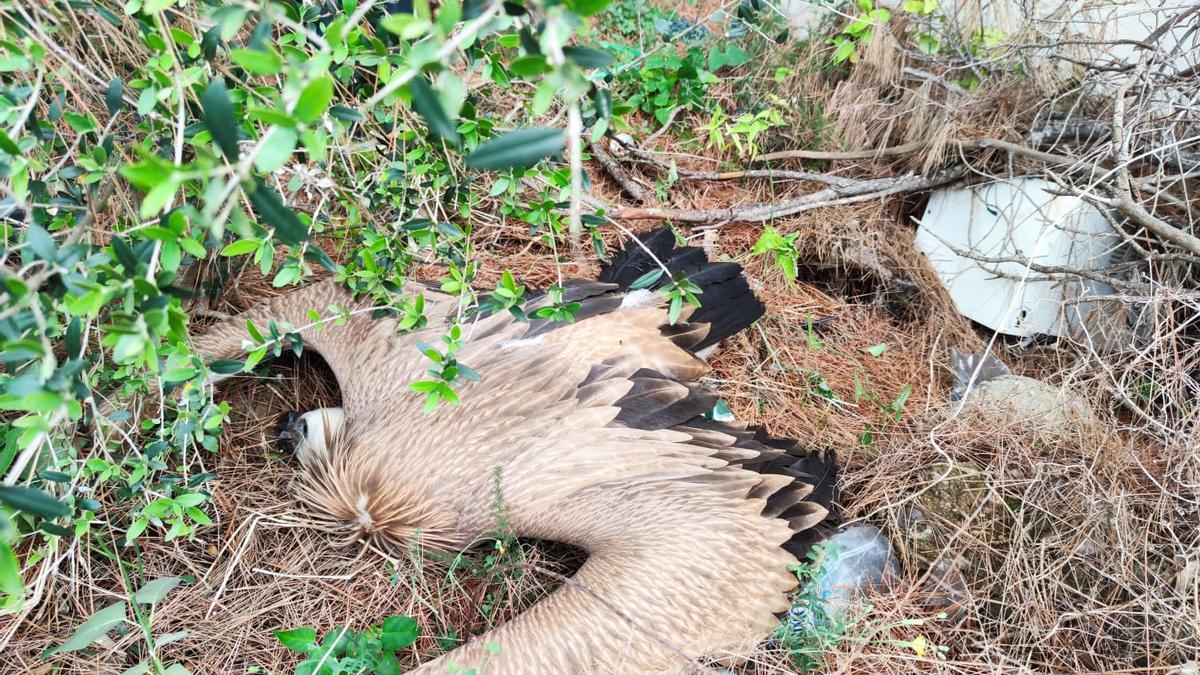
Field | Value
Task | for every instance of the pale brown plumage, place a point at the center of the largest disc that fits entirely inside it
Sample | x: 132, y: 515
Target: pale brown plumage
x: 594, y: 431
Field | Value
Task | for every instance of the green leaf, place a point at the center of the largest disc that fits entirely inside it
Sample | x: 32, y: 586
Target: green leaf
x: 646, y: 280
x: 425, y: 101
x: 136, y: 529
x: 93, y: 629
x: 253, y: 358
x: 398, y: 632
x: 55, y: 529
x: 845, y: 48
x: 191, y: 499
x: 158, y: 196
x: 226, y: 366
x: 12, y: 586
x: 314, y: 100
x: 219, y: 118
x: 529, y: 66
x: 674, y: 309
x: 254, y: 332
x: 241, y: 246
x: 9, y: 64
x: 449, y: 14
x: 147, y: 173
x: 877, y: 350
x: 587, y: 7
x: 155, y: 590
x: 272, y: 117
x: 113, y: 100
x: 271, y: 209
x: 897, y: 406
x: 406, y: 26
x: 81, y: 123
x: 14, y: 351
x: 41, y: 243
x: 520, y: 148
x: 33, y: 500
x: 7, y: 145
x: 297, y: 639
x: 588, y: 57
x: 345, y: 114
x: 602, y: 99
x: 316, y: 254
x: 719, y: 57
x: 257, y: 61
x: 277, y: 148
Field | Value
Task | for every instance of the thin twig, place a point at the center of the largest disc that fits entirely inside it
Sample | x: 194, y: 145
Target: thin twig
x: 848, y: 193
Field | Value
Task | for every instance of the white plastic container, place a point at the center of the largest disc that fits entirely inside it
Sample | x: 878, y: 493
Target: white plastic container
x: 1018, y: 219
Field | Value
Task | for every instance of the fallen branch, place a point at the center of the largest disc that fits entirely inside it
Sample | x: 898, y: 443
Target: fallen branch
x: 1123, y: 193
x: 848, y: 154
x: 774, y: 174
x: 618, y: 173
x: 1050, y: 270
x: 907, y: 148
x: 851, y: 192
x: 1138, y: 214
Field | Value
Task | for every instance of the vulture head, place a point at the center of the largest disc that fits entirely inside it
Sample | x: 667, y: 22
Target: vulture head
x: 593, y: 432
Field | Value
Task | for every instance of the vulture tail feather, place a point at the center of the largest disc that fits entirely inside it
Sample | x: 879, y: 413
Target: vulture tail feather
x: 727, y: 305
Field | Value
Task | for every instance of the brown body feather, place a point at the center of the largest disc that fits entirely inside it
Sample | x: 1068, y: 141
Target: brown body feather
x: 594, y: 430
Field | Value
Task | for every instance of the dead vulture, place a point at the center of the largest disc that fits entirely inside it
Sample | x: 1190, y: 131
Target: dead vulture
x: 594, y: 433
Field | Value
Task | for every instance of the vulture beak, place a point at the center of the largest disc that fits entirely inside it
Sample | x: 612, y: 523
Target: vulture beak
x: 309, y: 434
x: 286, y: 436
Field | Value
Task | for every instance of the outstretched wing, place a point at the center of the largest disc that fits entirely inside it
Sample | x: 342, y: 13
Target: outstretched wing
x: 358, y: 347
x: 593, y: 433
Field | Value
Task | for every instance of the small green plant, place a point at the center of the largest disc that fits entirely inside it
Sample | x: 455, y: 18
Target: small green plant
x: 809, y: 630
x: 927, y: 41
x: 115, y: 617
x: 636, y: 20
x: 782, y: 247
x: 860, y: 32
x: 346, y: 651
x: 558, y: 310
x: 742, y: 131
x: 509, y: 295
x: 892, y: 410
x: 666, y: 81
x: 180, y: 514
x: 445, y: 372
x: 678, y: 291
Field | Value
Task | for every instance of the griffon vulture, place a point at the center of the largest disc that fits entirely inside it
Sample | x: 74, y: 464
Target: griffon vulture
x: 594, y: 432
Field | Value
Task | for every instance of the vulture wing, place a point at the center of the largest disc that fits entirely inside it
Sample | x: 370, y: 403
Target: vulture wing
x: 345, y: 333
